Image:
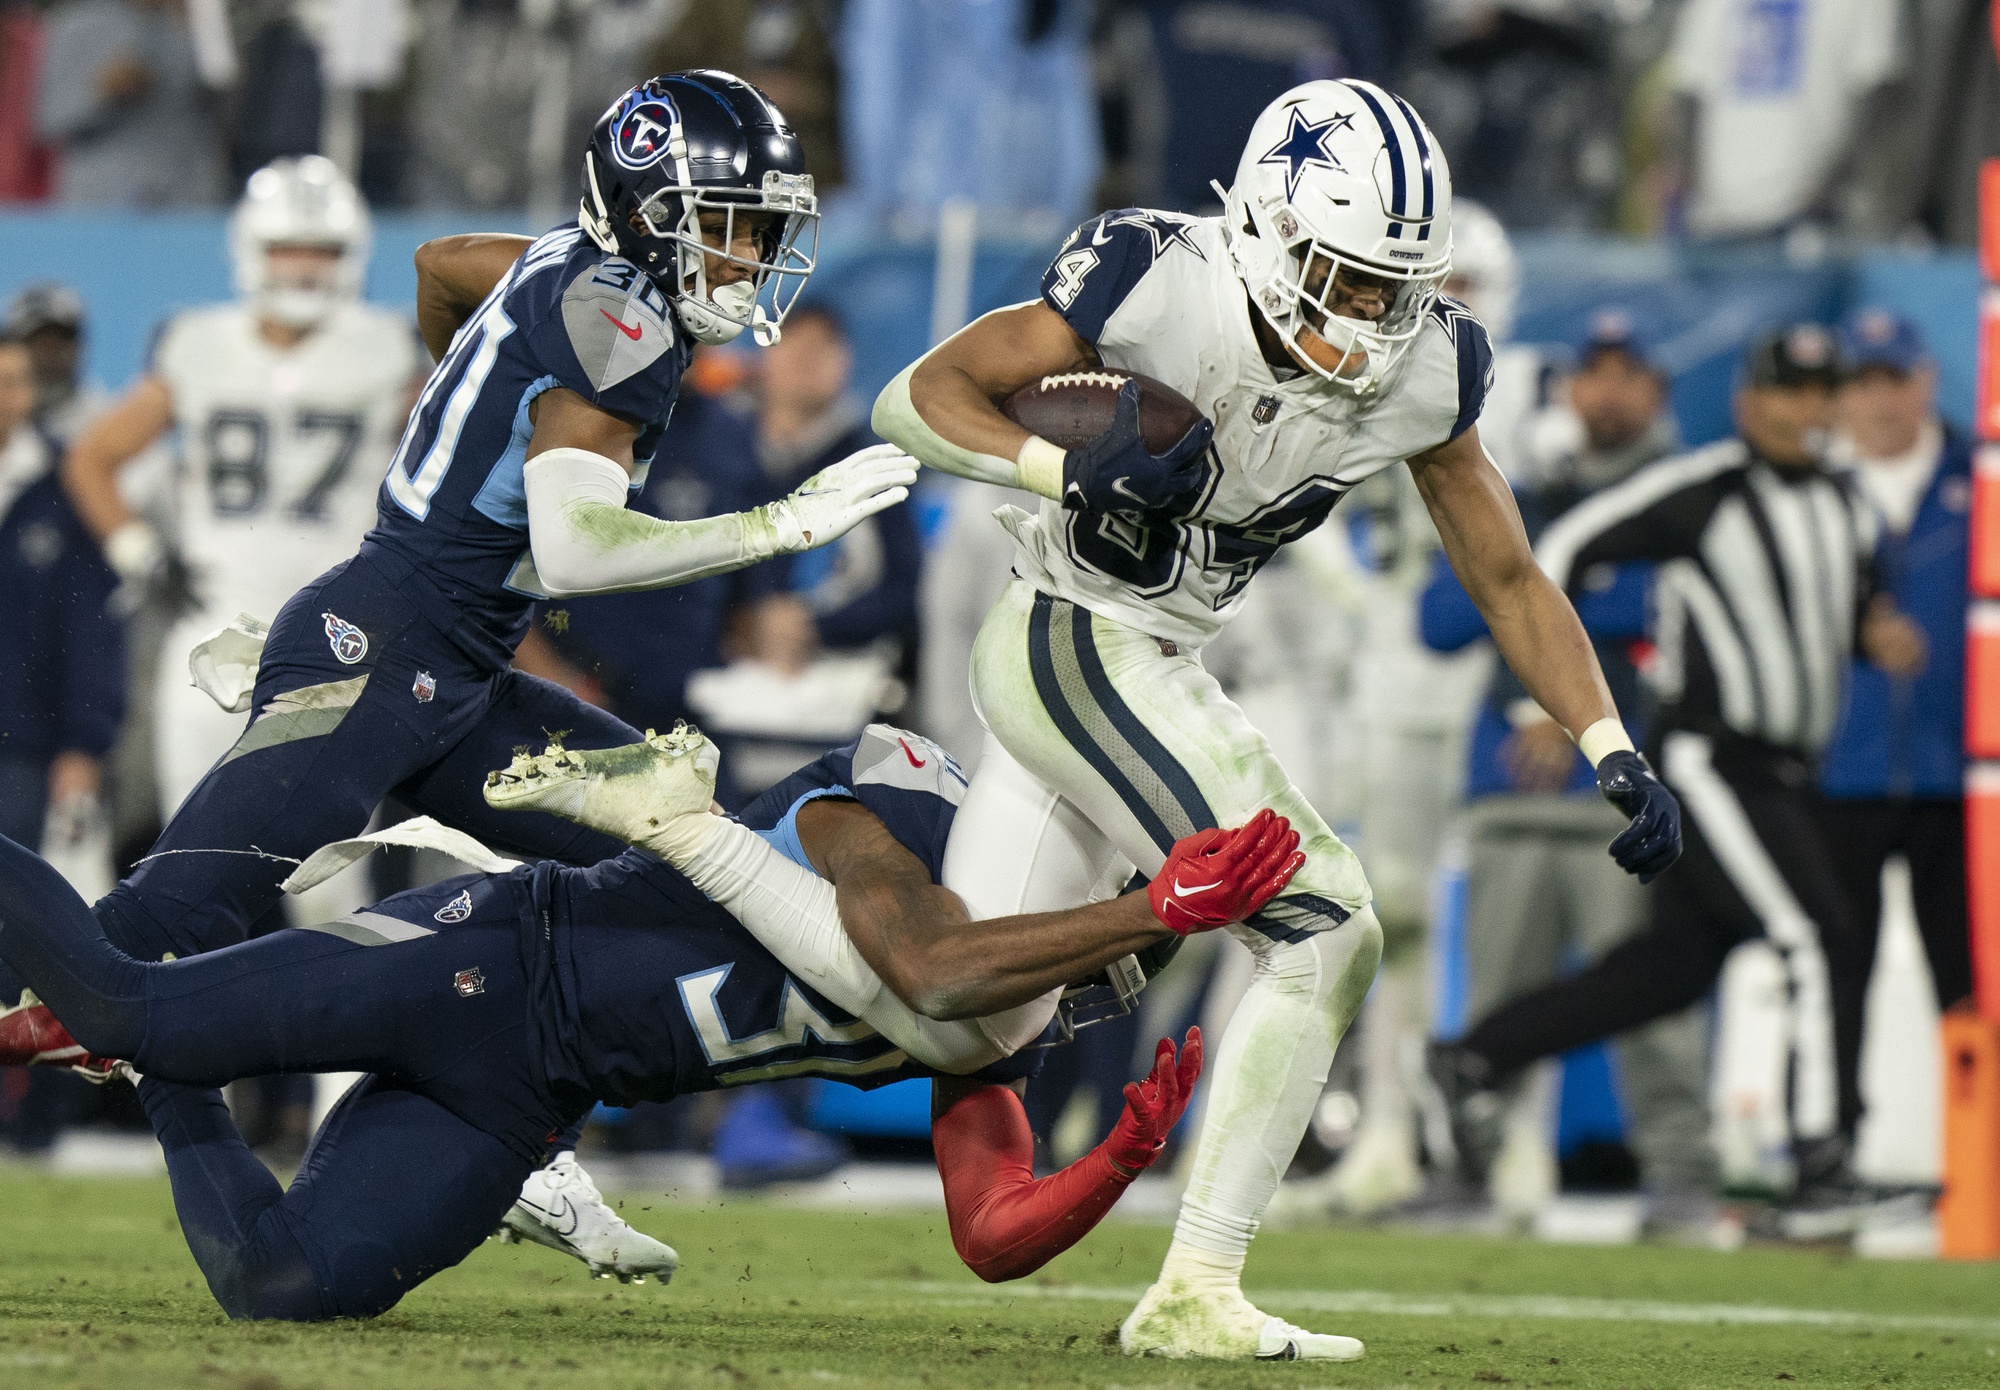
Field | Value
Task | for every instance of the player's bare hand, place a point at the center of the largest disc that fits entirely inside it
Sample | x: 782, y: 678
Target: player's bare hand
x: 1215, y: 877
x: 835, y: 500
x: 1154, y: 1106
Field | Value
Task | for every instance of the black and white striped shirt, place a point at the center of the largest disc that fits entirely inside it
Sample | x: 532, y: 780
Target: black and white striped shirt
x: 1763, y: 576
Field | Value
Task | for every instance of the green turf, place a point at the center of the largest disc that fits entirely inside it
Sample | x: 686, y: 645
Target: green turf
x: 96, y: 1289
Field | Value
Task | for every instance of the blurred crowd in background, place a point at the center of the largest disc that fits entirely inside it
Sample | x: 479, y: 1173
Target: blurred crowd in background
x: 1795, y: 125
x: 1715, y: 118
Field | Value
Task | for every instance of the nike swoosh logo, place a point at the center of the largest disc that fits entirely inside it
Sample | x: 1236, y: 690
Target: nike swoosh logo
x: 1118, y: 486
x: 632, y: 333
x: 915, y: 761
x: 563, y: 1210
x: 1181, y: 890
x: 1098, y: 238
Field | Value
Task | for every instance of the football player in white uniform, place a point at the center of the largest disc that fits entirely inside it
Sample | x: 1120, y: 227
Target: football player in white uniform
x: 1306, y: 324
x: 288, y: 403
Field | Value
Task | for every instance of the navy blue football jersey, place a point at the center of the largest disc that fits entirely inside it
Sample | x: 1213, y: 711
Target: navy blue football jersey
x: 656, y: 991
x: 567, y: 315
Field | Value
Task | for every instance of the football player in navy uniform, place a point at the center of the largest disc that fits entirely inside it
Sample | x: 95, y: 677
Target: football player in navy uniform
x: 492, y: 1010
x: 390, y: 673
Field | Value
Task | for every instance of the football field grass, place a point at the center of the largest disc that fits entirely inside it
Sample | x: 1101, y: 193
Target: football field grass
x: 96, y: 1289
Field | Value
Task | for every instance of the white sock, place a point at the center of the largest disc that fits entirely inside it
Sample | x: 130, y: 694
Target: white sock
x: 1266, y: 1079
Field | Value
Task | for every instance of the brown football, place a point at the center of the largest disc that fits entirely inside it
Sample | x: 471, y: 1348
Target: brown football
x: 1072, y: 408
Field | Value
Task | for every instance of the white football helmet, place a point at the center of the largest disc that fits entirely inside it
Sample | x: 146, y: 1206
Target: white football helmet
x: 304, y: 201
x: 1484, y: 270
x: 1341, y: 186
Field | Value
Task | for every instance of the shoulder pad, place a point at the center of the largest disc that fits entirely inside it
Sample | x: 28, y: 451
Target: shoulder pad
x: 617, y: 321
x: 895, y: 757
x: 1105, y: 258
x: 1475, y: 359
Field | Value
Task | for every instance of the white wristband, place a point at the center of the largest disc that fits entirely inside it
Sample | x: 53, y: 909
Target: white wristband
x: 1039, y: 468
x: 1603, y: 738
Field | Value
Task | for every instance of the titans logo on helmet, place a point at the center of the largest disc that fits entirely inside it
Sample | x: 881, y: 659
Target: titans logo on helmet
x: 1304, y: 146
x: 644, y: 132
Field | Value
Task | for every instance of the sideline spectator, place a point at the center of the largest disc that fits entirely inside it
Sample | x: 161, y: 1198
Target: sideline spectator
x: 977, y: 99
x: 62, y: 693
x: 1775, y: 96
x: 24, y: 160
x: 1538, y: 881
x: 1894, y: 774
x: 860, y: 592
x: 123, y: 103
x: 47, y: 318
x: 1755, y: 633
x: 1180, y: 82
x: 1517, y: 92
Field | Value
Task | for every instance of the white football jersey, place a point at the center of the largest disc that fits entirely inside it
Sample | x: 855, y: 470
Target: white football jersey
x: 1157, y: 294
x: 281, y: 451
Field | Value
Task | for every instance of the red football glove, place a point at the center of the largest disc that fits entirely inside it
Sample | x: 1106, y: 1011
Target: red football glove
x: 1218, y: 876
x: 1154, y: 1106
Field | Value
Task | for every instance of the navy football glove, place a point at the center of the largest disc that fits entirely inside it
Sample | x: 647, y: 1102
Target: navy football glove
x: 1649, y: 846
x: 1116, y: 473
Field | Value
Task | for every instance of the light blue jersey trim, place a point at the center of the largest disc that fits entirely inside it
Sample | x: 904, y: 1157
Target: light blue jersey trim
x: 784, y: 836
x: 503, y: 497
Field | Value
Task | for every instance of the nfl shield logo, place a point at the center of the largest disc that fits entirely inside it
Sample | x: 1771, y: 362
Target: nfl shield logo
x: 425, y: 687
x: 469, y: 982
x: 1265, y: 411
x: 643, y: 132
x: 457, y: 910
x: 349, y: 642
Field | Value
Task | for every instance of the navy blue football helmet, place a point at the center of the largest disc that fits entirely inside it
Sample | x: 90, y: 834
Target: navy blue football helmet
x: 692, y: 145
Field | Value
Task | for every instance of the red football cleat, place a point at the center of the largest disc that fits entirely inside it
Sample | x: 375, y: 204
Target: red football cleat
x: 30, y: 1036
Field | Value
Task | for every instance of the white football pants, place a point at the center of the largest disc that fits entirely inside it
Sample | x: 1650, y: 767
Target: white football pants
x: 1107, y: 747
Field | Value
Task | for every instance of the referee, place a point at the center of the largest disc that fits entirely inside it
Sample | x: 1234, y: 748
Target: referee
x: 1764, y: 589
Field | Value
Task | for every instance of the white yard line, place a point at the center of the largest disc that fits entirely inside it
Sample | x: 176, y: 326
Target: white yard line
x: 1448, y: 1305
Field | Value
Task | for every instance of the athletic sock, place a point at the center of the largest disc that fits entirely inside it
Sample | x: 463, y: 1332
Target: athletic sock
x: 1268, y: 1076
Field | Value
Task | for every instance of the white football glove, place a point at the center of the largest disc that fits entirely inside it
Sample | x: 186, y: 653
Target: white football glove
x: 836, y: 499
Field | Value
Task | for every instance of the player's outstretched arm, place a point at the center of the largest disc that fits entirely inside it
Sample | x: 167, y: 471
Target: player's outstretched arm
x: 1542, y: 640
x: 1006, y: 1223
x: 944, y: 409
x: 454, y: 275
x: 918, y: 937
x: 585, y: 541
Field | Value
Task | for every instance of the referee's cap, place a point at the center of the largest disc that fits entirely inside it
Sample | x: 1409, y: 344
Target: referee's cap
x: 1799, y: 354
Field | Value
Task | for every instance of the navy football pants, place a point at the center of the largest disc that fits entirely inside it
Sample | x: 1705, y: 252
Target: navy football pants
x: 414, y: 712
x: 416, y: 1165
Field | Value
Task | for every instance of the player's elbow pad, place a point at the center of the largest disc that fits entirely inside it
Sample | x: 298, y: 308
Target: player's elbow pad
x: 584, y: 541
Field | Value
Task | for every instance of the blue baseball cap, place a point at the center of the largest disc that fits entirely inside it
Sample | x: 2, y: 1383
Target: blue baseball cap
x: 1615, y: 330
x: 1881, y: 338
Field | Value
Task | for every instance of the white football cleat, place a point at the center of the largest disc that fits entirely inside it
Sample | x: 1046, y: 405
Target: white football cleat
x: 634, y: 793
x: 1224, y: 1327
x: 560, y: 1207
